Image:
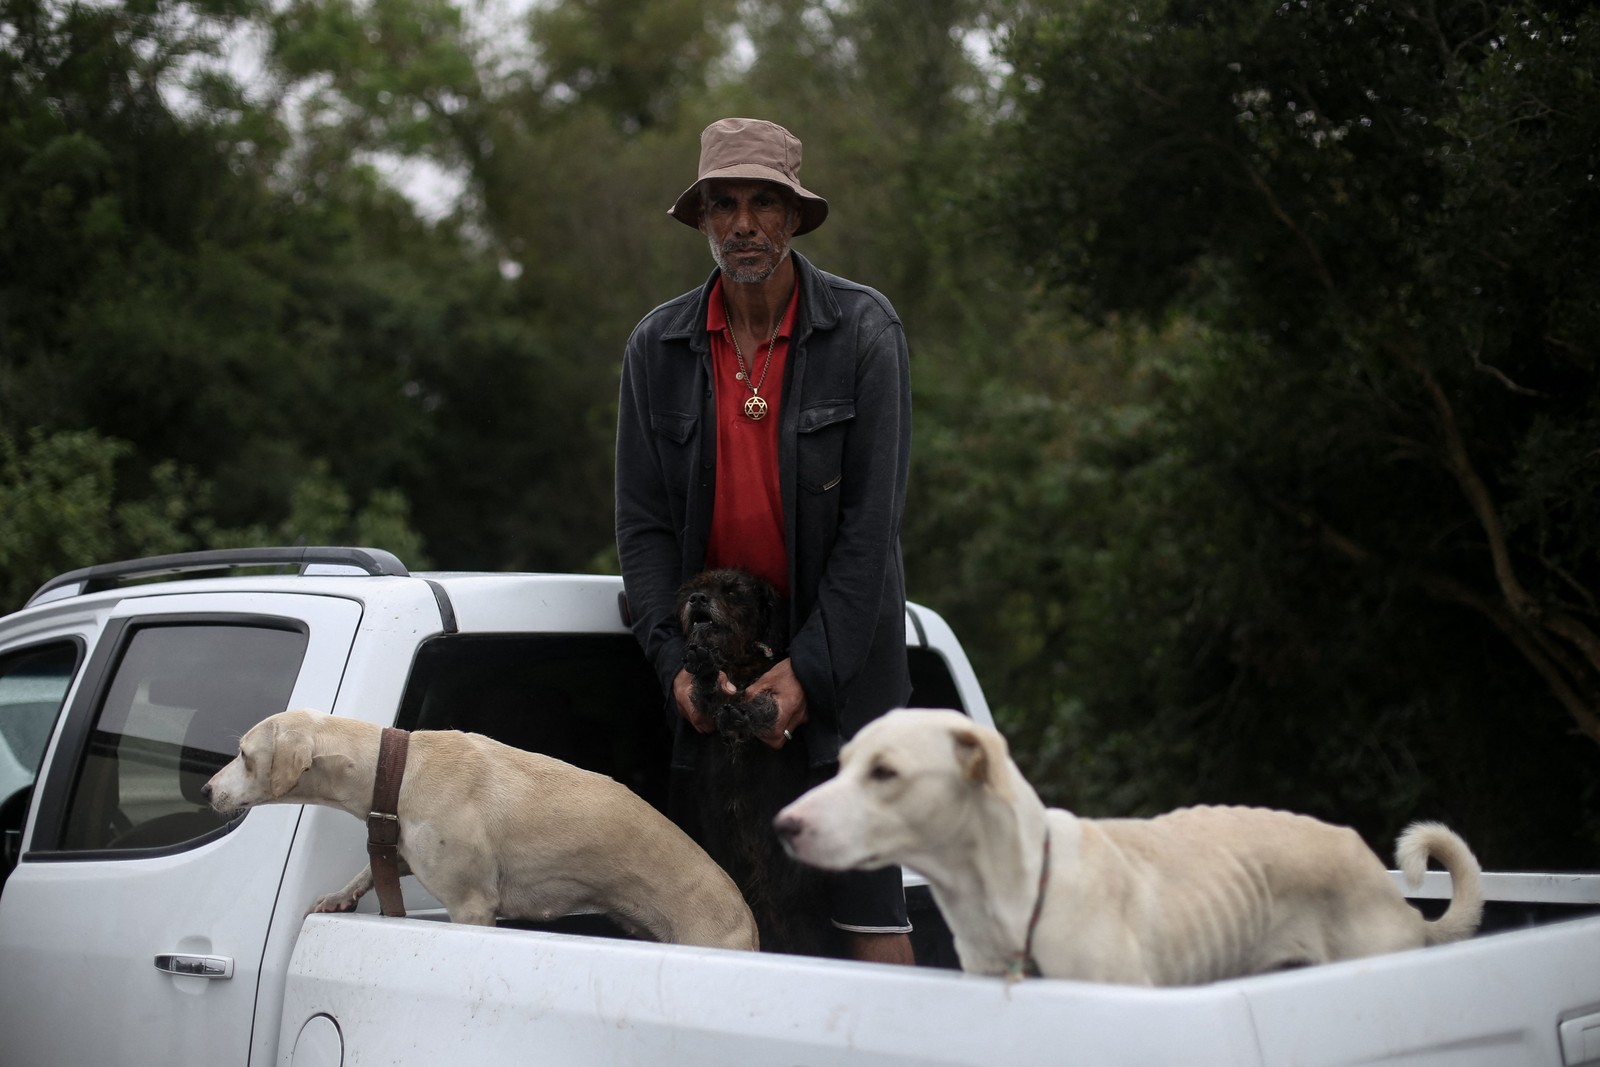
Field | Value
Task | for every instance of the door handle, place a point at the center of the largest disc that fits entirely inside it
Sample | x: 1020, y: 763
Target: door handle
x: 195, y: 966
x: 1580, y: 1040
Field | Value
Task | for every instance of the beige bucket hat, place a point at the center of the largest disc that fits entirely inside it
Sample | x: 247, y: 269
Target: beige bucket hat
x: 750, y: 149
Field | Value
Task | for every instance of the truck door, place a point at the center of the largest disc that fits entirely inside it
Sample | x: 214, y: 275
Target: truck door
x: 132, y: 928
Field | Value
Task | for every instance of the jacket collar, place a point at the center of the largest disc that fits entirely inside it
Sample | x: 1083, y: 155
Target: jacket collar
x: 818, y: 308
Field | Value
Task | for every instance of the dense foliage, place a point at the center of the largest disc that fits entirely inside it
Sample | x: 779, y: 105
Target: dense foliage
x: 1257, y: 453
x: 1375, y: 476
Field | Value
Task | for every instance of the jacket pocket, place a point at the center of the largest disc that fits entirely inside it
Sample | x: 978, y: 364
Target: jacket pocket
x: 675, y: 444
x: 822, y: 432
x: 674, y: 426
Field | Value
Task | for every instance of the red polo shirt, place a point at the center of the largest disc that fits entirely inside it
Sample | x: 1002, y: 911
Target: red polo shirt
x: 747, y: 511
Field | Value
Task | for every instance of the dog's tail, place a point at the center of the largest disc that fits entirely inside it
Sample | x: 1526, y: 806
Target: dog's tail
x: 1424, y: 840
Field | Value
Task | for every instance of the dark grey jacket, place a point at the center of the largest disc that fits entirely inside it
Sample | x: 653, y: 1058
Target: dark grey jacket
x: 844, y: 454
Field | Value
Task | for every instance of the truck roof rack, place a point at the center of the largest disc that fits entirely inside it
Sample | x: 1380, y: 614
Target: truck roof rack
x: 372, y: 561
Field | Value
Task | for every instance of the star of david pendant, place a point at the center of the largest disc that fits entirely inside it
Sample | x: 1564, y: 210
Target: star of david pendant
x: 755, y: 408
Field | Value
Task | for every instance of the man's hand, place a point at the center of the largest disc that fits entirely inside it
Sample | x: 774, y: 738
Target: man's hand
x: 682, y: 686
x: 781, y: 682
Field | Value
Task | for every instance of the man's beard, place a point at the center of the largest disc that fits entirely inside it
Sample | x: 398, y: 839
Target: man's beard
x: 746, y: 275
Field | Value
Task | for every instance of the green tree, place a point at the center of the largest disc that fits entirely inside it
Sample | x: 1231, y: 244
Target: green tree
x: 180, y: 273
x: 1385, y: 220
x: 64, y: 504
x: 633, y: 60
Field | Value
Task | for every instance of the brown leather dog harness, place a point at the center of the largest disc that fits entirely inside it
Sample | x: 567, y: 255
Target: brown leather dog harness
x: 383, y: 824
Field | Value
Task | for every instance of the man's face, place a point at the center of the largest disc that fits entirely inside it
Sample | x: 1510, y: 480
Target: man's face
x: 748, y: 225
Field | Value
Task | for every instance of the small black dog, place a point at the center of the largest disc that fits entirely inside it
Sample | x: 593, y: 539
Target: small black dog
x: 736, y: 623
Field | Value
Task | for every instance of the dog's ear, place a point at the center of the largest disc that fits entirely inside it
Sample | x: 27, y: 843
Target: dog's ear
x: 984, y: 758
x: 334, y: 764
x: 291, y: 757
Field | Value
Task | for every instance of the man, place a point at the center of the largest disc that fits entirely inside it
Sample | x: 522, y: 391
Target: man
x: 765, y: 423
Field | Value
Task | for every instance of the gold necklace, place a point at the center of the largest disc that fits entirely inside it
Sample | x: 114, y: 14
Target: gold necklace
x: 755, y: 405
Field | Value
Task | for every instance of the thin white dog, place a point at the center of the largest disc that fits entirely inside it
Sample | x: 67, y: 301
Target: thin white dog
x: 1193, y: 896
x: 492, y: 830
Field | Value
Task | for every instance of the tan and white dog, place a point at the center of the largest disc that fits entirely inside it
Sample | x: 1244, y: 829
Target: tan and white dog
x: 1193, y: 896
x: 492, y: 830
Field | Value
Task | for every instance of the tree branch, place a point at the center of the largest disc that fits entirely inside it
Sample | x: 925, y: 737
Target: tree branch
x: 1472, y: 485
x: 1477, y: 494
x: 1548, y: 667
x: 1500, y: 376
x: 1318, y: 267
x: 1558, y: 669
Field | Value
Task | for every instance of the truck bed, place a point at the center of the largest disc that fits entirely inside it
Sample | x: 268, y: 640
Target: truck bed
x: 1495, y: 1001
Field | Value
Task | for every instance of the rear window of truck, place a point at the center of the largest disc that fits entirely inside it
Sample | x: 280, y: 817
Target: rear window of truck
x: 589, y: 699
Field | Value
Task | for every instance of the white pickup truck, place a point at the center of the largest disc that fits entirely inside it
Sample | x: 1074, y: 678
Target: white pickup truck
x: 137, y: 927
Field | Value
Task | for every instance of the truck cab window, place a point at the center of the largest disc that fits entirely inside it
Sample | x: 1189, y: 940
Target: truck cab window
x: 179, y: 699
x: 33, y: 685
x: 932, y: 685
x: 588, y: 699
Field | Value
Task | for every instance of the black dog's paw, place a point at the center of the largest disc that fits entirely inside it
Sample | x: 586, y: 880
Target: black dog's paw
x: 733, y: 724
x: 747, y: 720
x: 699, y: 662
x: 761, y: 713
